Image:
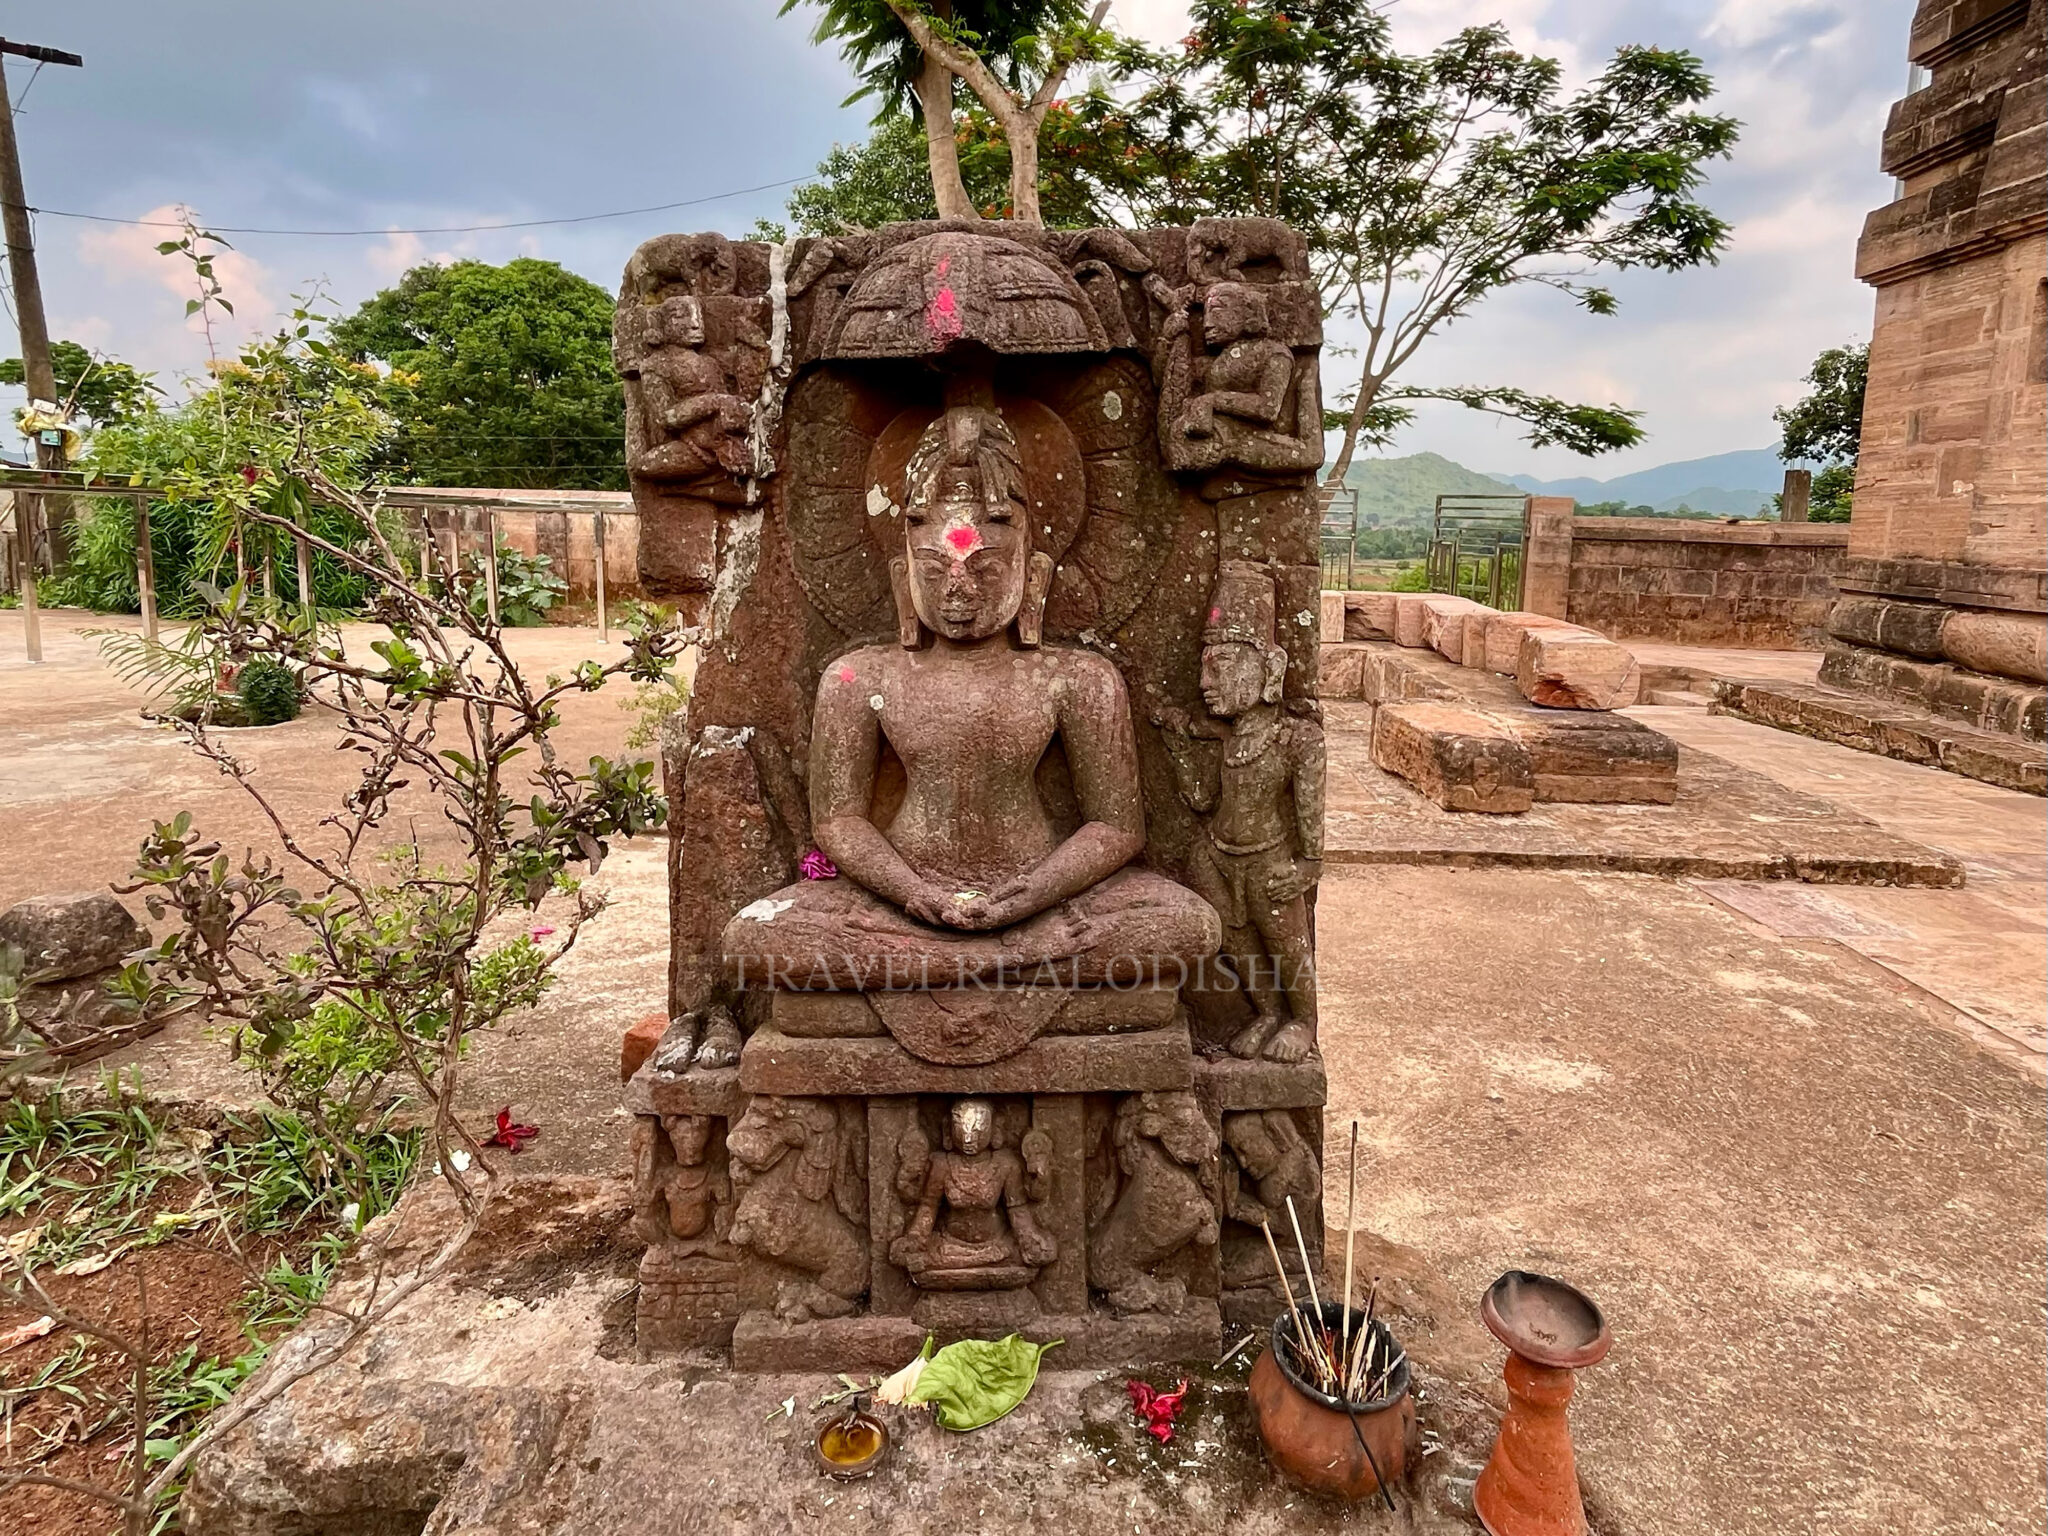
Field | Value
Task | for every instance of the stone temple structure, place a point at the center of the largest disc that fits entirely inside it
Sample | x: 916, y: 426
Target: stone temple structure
x: 997, y: 814
x: 1944, y: 594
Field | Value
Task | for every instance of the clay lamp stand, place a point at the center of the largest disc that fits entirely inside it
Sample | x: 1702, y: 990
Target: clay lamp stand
x: 1531, y: 1485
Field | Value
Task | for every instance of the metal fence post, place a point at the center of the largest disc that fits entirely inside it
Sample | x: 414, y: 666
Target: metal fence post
x: 145, y: 569
x: 491, y: 562
x: 597, y: 539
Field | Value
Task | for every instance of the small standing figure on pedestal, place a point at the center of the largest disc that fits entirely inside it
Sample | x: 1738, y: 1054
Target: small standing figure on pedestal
x: 972, y: 1227
x: 1264, y: 805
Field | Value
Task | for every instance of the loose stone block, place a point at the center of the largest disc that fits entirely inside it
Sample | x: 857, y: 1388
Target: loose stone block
x: 1501, y: 637
x: 1332, y: 617
x: 1595, y: 758
x: 1409, y: 613
x: 1443, y: 624
x: 1369, y: 615
x: 1576, y: 671
x: 1343, y: 670
x: 1460, y: 758
x: 62, y: 938
x: 641, y: 1039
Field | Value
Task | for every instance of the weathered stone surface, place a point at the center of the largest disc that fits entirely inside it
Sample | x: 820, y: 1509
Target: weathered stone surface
x: 639, y: 1043
x: 1369, y: 615
x: 1331, y: 627
x: 1410, y: 613
x: 1151, y: 1059
x: 1873, y: 724
x: 1975, y: 699
x: 1460, y: 758
x: 696, y: 1092
x: 1343, y: 672
x: 1229, y: 1084
x: 1443, y: 624
x: 1575, y: 671
x: 68, y: 936
x: 1596, y: 758
x: 1500, y: 638
x: 869, y: 1342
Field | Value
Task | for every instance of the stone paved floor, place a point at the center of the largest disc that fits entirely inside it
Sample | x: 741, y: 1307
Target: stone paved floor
x: 1804, y: 1171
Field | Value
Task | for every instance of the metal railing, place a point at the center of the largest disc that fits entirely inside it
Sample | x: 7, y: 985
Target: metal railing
x: 1337, y: 517
x: 1476, y: 545
x: 44, y: 498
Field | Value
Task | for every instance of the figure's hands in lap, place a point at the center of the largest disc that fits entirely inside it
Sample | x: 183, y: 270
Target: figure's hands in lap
x: 934, y: 906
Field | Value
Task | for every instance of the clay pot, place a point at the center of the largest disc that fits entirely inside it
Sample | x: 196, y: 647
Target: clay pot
x: 850, y: 1445
x: 1308, y: 1433
x: 1530, y: 1486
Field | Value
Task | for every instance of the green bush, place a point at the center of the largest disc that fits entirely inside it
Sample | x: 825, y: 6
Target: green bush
x: 1410, y: 578
x: 269, y: 692
x: 527, y: 588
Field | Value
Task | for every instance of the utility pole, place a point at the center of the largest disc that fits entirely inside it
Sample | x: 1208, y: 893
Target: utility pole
x: 28, y: 308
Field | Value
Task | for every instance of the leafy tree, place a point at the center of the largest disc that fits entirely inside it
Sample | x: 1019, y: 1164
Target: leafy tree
x: 1826, y: 426
x: 98, y: 389
x: 1427, y: 183
x: 907, y: 50
x: 499, y: 376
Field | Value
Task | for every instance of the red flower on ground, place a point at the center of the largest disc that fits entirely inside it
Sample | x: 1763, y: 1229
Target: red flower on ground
x: 248, y: 474
x: 816, y: 864
x: 510, y: 1134
x: 1155, y: 1409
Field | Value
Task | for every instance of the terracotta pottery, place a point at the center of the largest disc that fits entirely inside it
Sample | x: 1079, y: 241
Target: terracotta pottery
x: 1308, y: 1434
x: 1531, y: 1484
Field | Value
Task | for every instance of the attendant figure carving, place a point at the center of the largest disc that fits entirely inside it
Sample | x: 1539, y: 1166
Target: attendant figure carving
x: 1266, y: 1160
x: 680, y: 1195
x: 802, y: 1181
x: 1263, y: 799
x: 1162, y: 1198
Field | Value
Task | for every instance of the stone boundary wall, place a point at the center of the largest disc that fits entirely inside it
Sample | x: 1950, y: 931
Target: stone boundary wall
x: 558, y: 524
x: 1756, y: 586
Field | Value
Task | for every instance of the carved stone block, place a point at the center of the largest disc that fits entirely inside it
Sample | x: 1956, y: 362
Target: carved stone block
x: 1458, y: 757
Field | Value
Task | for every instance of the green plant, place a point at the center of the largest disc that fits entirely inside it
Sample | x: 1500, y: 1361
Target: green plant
x: 651, y: 704
x: 1410, y: 578
x: 527, y: 588
x: 269, y: 691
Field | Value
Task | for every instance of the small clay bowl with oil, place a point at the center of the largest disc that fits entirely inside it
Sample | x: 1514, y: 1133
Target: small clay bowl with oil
x: 850, y: 1445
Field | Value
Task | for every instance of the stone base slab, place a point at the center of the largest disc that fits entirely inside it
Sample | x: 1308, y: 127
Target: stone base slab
x: 1152, y: 1059
x: 1230, y: 1084
x: 1979, y: 700
x: 1888, y: 730
x: 1458, y: 757
x: 871, y: 1344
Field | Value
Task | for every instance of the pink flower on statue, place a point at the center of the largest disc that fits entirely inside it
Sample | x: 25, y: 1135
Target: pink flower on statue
x: 816, y: 866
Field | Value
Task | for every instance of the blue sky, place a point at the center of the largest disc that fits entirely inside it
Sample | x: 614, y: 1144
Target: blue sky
x: 381, y: 115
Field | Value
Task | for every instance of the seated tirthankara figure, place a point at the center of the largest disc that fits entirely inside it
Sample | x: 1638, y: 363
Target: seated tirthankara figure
x: 970, y: 881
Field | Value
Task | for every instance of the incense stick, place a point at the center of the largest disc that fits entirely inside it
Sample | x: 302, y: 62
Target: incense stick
x: 1294, y: 1311
x: 1350, y: 1232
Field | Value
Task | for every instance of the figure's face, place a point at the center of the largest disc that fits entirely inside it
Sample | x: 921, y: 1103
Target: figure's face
x: 1255, y: 1151
x: 1233, y: 678
x: 974, y: 1124
x: 690, y: 1136
x: 967, y: 567
x: 1232, y: 312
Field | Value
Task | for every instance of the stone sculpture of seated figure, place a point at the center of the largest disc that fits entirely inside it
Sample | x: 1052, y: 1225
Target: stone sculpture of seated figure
x: 970, y: 881
x: 971, y: 1225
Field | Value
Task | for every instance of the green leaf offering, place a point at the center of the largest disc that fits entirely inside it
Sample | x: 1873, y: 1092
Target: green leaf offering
x: 977, y: 1381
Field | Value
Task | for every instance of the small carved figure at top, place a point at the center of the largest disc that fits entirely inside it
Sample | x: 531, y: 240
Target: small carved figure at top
x: 1237, y: 399
x: 1264, y: 804
x: 689, y: 424
x: 801, y: 1174
x: 1245, y: 250
x: 972, y: 1226
x: 1160, y: 1198
x: 701, y: 265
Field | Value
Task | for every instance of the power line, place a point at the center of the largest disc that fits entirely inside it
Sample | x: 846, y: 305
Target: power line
x: 439, y: 229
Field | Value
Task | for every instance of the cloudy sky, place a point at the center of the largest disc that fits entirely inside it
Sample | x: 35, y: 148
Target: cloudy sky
x: 394, y: 115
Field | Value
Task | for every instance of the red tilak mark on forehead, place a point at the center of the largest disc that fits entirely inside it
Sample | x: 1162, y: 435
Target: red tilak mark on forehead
x: 846, y: 674
x: 1215, y: 614
x: 963, y: 540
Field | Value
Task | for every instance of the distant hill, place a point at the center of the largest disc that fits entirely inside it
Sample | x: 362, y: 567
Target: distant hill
x: 1731, y: 483
x: 1402, y: 493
